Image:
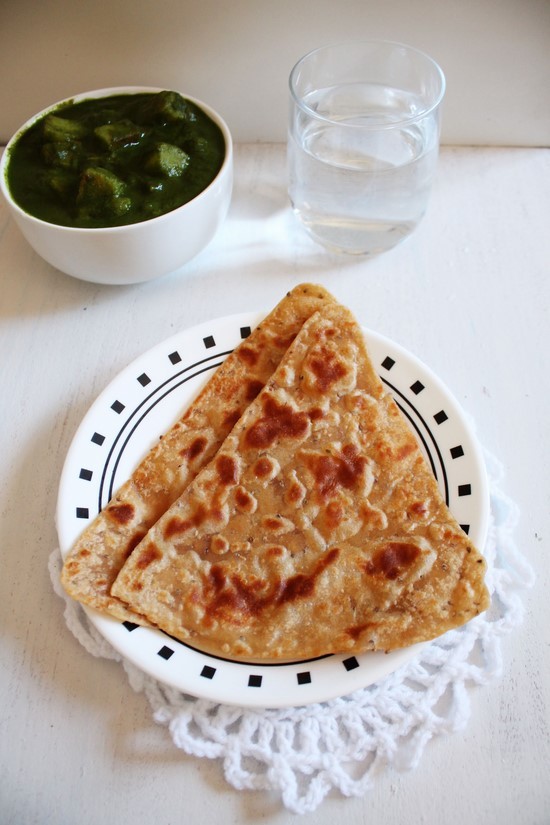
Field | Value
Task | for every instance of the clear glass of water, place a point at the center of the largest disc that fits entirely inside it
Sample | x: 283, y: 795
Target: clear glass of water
x: 363, y: 142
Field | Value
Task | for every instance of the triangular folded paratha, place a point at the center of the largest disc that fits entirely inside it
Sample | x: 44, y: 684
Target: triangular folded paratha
x: 318, y: 527
x: 93, y: 563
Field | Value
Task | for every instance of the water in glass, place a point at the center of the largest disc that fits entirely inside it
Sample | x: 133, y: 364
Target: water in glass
x: 361, y: 168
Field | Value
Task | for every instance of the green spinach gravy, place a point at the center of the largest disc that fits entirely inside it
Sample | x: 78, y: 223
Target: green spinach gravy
x: 114, y: 160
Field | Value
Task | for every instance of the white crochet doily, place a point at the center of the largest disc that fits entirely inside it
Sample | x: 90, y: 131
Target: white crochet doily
x: 303, y: 753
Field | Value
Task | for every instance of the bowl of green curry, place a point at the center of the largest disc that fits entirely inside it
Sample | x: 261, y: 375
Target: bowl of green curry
x: 120, y: 185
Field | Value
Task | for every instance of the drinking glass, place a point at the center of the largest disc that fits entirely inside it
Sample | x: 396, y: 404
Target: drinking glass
x: 363, y: 142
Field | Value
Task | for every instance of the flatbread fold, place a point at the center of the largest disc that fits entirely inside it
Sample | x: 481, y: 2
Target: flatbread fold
x: 316, y: 528
x: 96, y: 558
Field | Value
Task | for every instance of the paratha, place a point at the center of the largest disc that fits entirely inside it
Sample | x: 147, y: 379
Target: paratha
x: 318, y: 527
x: 93, y: 563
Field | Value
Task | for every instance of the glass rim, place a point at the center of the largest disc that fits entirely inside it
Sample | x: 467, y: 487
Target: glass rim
x: 299, y: 101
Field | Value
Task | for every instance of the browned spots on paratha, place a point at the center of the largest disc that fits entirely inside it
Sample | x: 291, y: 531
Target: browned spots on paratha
x: 219, y: 545
x: 316, y: 414
x: 418, y: 510
x: 228, y: 470
x: 253, y: 388
x: 176, y: 526
x: 265, y: 468
x: 392, y: 560
x: 232, y: 598
x: 295, y: 491
x: 345, y: 469
x: 278, y: 421
x: 149, y: 554
x: 275, y: 551
x: 120, y: 513
x: 248, y: 355
x: 195, y: 449
x: 302, y: 585
x: 386, y: 452
x: 245, y: 501
x: 328, y: 369
x: 283, y: 342
x: 334, y: 514
x: 134, y: 540
x: 230, y: 419
x: 277, y: 524
x: 209, y: 517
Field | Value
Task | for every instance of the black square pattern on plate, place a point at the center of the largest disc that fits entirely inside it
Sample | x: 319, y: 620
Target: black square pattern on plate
x: 117, y: 406
x: 466, y: 528
x: 245, y: 332
x: 351, y: 663
x: 417, y: 387
x: 165, y: 652
x: 144, y: 379
x: 85, y: 474
x: 464, y: 489
x: 255, y: 680
x: 440, y: 417
x: 97, y: 438
x: 130, y: 626
x: 208, y: 672
x: 304, y: 678
x: 174, y: 357
x: 209, y: 341
x: 388, y: 362
x: 457, y: 452
x: 82, y: 512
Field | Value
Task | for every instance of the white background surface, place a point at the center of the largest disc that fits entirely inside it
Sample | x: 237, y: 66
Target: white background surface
x: 468, y: 294
x: 237, y: 54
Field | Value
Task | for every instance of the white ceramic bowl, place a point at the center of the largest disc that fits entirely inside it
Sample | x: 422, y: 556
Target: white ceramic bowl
x: 137, y: 252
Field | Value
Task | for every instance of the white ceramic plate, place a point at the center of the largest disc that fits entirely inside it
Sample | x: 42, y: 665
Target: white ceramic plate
x: 142, y: 403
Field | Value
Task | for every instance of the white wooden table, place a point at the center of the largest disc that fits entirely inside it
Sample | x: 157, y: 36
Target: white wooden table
x: 469, y: 295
